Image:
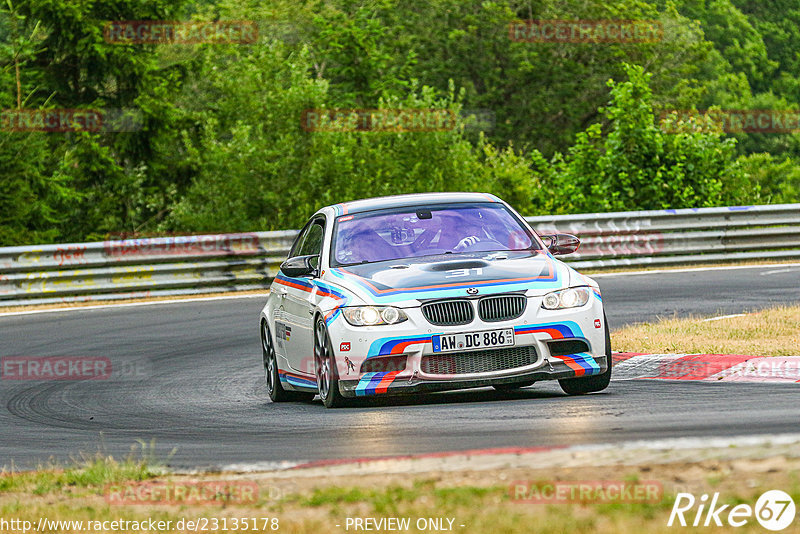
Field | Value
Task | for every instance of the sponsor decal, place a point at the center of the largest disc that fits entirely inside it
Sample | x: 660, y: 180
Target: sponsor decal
x: 349, y: 364
x: 281, y: 333
x: 597, y: 323
x: 344, y: 346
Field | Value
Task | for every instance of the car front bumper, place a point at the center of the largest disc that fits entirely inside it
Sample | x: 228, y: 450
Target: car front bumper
x: 556, y: 369
x: 410, y: 342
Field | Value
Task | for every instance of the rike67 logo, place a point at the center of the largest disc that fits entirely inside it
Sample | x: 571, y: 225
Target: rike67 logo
x: 774, y: 510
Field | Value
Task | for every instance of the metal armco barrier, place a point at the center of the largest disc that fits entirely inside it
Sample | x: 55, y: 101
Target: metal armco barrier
x: 682, y: 236
x: 132, y: 268
x: 182, y: 265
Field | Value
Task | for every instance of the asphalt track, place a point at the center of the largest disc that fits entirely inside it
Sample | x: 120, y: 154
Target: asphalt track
x: 188, y: 378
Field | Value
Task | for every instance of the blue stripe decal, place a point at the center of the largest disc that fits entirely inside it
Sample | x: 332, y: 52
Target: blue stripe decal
x: 392, y: 295
x: 297, y: 381
x: 311, y: 285
x: 323, y: 290
x: 567, y: 328
x: 384, y: 346
x: 363, y: 383
x: 370, y: 389
x: 585, y: 360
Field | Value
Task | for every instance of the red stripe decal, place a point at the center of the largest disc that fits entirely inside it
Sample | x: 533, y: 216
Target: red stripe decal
x: 384, y: 383
x: 401, y: 347
x: 572, y: 364
x: 550, y: 273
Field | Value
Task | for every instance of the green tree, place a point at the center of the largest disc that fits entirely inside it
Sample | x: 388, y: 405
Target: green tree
x: 636, y: 165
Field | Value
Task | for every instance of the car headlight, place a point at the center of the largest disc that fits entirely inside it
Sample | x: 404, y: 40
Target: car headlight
x: 573, y: 297
x: 373, y: 315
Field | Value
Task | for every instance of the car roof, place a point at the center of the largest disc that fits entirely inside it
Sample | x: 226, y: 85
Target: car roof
x: 401, y: 201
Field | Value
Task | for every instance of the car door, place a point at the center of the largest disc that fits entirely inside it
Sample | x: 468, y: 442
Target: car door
x: 300, y: 301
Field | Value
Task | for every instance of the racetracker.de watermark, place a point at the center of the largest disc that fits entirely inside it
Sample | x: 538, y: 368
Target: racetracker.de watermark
x: 586, y: 31
x: 583, y: 491
x: 55, y: 368
x: 378, y: 120
x: 176, y: 32
x: 48, y: 368
x: 221, y: 492
x: 70, y: 120
x: 730, y: 121
x: 227, y: 244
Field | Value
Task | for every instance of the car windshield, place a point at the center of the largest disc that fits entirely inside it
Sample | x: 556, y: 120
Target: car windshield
x: 425, y: 231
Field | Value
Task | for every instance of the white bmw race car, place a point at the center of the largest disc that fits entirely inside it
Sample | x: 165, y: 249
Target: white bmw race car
x: 429, y: 292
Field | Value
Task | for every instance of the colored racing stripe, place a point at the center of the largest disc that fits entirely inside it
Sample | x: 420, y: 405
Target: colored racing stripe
x: 390, y: 345
x: 297, y: 380
x: 555, y: 330
x: 320, y: 289
x: 375, y: 383
x: 550, y: 276
x: 582, y: 363
x: 388, y: 378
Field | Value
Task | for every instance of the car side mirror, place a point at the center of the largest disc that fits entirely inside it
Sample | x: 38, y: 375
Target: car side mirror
x: 560, y: 244
x: 300, y: 266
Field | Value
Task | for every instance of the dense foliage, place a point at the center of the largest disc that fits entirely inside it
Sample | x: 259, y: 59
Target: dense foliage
x: 218, y: 144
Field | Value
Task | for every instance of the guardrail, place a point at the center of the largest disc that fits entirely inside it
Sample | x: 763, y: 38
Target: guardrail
x: 682, y: 236
x: 181, y: 265
x: 134, y: 268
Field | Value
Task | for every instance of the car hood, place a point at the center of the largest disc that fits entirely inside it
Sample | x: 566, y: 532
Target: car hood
x: 412, y: 280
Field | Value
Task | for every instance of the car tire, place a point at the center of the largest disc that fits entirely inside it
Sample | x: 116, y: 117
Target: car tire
x: 325, y: 368
x: 590, y: 384
x: 513, y: 386
x: 274, y: 387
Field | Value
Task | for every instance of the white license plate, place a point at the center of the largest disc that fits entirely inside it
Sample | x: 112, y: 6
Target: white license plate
x: 473, y: 340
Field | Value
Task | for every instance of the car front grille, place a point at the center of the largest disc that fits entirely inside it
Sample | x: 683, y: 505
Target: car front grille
x: 480, y: 361
x: 501, y: 307
x: 448, y: 312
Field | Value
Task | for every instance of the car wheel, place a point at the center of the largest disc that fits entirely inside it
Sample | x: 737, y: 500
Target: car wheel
x: 513, y: 386
x: 274, y: 387
x: 590, y: 384
x: 325, y: 368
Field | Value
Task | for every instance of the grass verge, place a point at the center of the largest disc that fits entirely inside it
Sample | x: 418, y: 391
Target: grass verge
x: 769, y: 332
x: 475, y: 501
